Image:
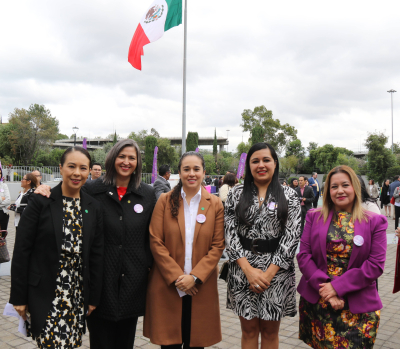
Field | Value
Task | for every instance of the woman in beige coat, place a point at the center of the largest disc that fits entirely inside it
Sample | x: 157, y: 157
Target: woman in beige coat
x: 187, y: 240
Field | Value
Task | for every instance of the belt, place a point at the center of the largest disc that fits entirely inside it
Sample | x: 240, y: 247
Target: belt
x: 259, y: 246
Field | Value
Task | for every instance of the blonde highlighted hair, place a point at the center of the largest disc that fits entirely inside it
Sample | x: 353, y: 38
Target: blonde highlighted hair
x: 358, y: 212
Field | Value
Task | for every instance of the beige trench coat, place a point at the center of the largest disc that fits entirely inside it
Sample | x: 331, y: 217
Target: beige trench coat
x: 162, y: 321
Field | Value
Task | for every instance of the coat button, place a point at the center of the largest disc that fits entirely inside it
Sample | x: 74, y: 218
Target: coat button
x: 123, y: 275
x: 120, y: 246
x: 120, y: 218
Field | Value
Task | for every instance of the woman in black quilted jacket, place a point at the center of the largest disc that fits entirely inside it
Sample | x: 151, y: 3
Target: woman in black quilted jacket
x: 127, y: 207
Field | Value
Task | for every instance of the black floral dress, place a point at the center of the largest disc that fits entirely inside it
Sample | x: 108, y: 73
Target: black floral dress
x: 65, y: 323
x: 320, y: 325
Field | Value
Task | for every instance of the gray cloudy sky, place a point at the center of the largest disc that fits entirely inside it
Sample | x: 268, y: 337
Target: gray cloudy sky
x: 321, y: 67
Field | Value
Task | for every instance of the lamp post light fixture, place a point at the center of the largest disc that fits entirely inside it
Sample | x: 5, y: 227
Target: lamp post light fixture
x: 75, y: 129
x: 227, y: 146
x: 391, y: 97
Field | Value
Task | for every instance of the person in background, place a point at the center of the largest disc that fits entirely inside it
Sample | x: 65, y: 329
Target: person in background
x: 306, y: 196
x: 392, y: 187
x: 208, y: 180
x: 227, y: 185
x: 186, y: 239
x: 38, y: 175
x: 385, y: 198
x: 313, y: 181
x: 161, y: 184
x: 368, y: 203
x: 5, y: 201
x: 95, y: 171
x: 396, y: 196
x: 262, y: 229
x: 216, y: 183
x: 294, y: 182
x: 28, y: 185
x: 372, y: 189
x: 128, y: 204
x: 284, y: 183
x: 342, y: 254
x: 57, y: 265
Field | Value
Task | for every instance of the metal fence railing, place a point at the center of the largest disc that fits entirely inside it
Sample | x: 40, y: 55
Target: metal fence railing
x: 15, y: 173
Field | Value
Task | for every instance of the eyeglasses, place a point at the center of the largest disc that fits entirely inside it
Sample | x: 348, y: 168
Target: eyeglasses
x: 23, y: 179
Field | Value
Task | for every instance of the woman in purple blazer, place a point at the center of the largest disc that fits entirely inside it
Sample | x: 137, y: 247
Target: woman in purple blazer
x: 342, y: 254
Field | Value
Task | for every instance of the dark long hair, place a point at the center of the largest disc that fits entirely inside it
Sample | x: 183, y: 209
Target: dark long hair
x: 364, y: 193
x: 176, y: 192
x: 274, y: 188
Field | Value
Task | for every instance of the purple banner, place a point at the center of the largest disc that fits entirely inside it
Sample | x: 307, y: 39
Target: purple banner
x: 154, y: 172
x: 84, y: 145
x: 2, y: 174
x: 197, y: 150
x: 242, y: 163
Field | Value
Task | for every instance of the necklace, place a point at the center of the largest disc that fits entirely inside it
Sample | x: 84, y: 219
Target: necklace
x: 261, y: 199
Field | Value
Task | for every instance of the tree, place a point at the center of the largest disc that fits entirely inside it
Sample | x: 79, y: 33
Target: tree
x: 242, y: 148
x: 325, y: 157
x: 379, y: 158
x: 61, y: 136
x: 393, y: 171
x: 115, y: 138
x: 166, y: 153
x: 192, y: 141
x: 345, y: 151
x: 312, y: 146
x: 350, y: 161
x: 140, y: 137
x: 215, y: 143
x: 32, y: 130
x: 209, y: 161
x: 151, y: 143
x: 275, y: 133
x: 257, y: 135
x: 287, y: 165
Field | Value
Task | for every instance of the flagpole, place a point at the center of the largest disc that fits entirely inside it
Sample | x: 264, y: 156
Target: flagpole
x: 184, y: 82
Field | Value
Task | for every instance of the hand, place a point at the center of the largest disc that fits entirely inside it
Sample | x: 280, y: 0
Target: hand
x: 91, y: 308
x: 3, y: 198
x: 257, y: 280
x: 8, y: 207
x: 21, y: 310
x: 185, y: 282
x: 336, y: 303
x: 192, y: 291
x: 327, y: 291
x: 304, y: 199
x: 43, y: 190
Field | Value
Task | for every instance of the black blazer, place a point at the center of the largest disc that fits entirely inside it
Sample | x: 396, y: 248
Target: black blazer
x: 308, y: 194
x: 37, y: 253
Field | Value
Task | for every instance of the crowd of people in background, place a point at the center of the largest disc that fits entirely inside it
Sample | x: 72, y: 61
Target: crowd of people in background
x: 103, y: 248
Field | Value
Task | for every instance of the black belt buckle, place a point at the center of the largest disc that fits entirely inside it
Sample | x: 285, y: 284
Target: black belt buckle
x: 254, y: 245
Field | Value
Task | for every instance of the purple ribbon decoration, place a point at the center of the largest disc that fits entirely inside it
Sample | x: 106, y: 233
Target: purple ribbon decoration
x: 154, y: 172
x: 197, y: 150
x: 84, y: 145
x: 2, y: 176
x: 242, y: 163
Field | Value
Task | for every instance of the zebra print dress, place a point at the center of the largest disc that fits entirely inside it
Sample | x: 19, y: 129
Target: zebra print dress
x: 279, y: 299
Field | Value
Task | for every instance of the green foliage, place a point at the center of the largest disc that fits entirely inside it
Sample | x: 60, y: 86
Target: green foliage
x: 5, y: 145
x: 115, y: 139
x: 312, y: 146
x: 325, y: 157
x: 392, y: 171
x: 48, y: 157
x: 379, y: 158
x: 295, y: 148
x: 257, y: 135
x: 151, y: 143
x: 140, y: 137
x: 242, y: 148
x: 345, y: 151
x: 350, y: 161
x: 215, y: 143
x: 61, y: 136
x: 167, y: 154
x: 31, y: 130
x: 287, y: 165
x: 192, y: 141
x: 275, y: 133
x: 209, y: 161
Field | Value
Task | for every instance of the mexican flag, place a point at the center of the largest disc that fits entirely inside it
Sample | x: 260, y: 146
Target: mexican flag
x: 161, y: 16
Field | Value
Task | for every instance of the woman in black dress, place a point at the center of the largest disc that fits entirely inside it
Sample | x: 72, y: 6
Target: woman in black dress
x: 57, y: 266
x: 385, y: 198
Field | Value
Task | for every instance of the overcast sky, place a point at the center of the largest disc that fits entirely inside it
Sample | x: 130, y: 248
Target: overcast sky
x: 323, y: 67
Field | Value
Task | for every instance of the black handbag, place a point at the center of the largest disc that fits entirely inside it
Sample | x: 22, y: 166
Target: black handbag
x: 4, y: 255
x: 223, y: 273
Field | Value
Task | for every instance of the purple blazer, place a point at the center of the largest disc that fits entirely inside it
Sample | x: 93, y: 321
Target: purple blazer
x: 366, y: 263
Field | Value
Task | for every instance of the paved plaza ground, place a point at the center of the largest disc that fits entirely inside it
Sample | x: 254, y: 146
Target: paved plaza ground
x: 388, y: 333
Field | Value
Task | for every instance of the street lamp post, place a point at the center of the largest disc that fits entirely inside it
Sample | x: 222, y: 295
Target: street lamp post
x: 391, y: 97
x: 227, y: 146
x: 75, y: 129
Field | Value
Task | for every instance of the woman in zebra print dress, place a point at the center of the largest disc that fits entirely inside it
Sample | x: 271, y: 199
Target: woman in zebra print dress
x: 262, y: 228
